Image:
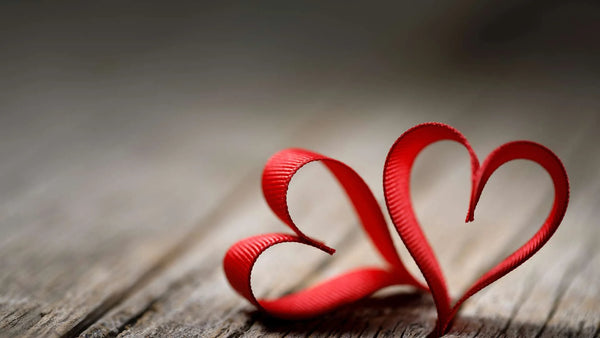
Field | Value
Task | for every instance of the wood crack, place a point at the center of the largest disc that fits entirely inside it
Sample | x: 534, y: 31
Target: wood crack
x: 566, y: 280
x: 479, y: 329
x: 312, y: 330
x: 134, y: 319
x: 522, y: 297
x: 376, y: 334
x: 240, y: 331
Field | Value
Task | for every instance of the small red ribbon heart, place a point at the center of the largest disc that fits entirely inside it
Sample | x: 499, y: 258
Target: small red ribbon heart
x: 360, y: 283
x: 337, y: 291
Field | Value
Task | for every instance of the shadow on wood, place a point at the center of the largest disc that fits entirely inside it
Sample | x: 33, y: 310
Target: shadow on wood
x: 399, y: 315
x: 381, y: 315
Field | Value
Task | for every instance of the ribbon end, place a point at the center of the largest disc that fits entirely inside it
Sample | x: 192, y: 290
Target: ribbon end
x: 471, y: 213
x: 320, y: 245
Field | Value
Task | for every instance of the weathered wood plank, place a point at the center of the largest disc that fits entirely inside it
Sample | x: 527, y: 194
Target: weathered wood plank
x: 115, y: 223
x: 181, y: 288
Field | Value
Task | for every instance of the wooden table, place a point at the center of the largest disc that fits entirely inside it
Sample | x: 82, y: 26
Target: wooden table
x: 124, y: 182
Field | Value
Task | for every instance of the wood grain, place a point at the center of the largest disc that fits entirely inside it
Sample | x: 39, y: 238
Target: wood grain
x: 127, y: 170
x: 174, y: 286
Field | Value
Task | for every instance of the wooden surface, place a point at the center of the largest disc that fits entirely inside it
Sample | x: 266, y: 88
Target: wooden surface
x: 124, y: 184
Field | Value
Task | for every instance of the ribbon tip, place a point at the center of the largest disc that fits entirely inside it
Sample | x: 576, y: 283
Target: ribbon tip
x: 321, y: 246
x: 329, y: 250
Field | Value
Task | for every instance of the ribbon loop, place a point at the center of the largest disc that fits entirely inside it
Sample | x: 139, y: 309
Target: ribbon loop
x: 344, y: 289
x: 397, y: 173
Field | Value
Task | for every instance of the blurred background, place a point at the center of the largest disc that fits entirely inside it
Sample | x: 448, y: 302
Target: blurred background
x: 124, y: 123
x: 130, y: 58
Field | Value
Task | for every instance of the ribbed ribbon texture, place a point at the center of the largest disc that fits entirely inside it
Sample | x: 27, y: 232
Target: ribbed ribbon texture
x: 362, y: 282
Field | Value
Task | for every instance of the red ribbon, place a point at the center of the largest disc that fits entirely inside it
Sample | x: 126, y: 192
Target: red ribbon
x: 360, y: 283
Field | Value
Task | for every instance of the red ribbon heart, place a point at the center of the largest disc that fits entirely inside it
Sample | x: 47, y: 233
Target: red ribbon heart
x: 360, y: 283
x: 337, y: 291
x: 396, y: 184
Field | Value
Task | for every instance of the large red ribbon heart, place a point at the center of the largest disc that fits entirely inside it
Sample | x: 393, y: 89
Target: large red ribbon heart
x: 396, y: 184
x: 360, y: 283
